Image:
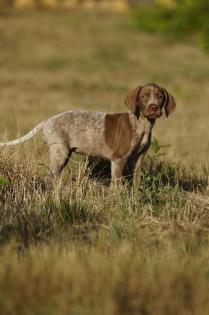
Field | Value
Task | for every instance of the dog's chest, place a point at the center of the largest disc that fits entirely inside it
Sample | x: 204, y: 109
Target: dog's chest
x: 141, y: 137
x: 145, y: 139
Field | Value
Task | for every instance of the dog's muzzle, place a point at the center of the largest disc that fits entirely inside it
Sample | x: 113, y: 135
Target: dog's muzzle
x: 153, y: 111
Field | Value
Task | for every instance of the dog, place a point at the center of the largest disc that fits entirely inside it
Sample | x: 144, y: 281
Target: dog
x: 116, y: 137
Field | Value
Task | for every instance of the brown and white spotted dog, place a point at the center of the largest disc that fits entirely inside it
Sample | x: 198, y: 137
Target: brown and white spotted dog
x: 117, y: 137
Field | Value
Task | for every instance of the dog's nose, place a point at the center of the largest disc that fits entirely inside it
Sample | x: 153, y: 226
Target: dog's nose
x: 153, y: 107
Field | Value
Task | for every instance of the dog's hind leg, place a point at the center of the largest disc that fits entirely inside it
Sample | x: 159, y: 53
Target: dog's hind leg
x: 59, y: 157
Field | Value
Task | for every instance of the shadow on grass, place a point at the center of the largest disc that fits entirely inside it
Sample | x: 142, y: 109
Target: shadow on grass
x: 155, y: 171
x: 50, y: 219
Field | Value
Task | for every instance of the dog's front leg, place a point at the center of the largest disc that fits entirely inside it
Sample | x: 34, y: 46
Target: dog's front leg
x: 137, y: 170
x: 117, y: 167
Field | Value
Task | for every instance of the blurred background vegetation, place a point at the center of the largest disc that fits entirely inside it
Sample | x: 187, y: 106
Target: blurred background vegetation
x: 185, y: 19
x: 177, y: 19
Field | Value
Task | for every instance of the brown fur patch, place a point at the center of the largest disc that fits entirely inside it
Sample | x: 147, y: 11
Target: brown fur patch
x: 118, y: 133
x: 170, y: 103
x: 131, y: 100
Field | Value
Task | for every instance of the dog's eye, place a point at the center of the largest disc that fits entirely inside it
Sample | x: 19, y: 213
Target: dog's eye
x: 145, y: 96
x: 159, y: 95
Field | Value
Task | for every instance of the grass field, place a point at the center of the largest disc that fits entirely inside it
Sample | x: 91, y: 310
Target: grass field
x: 86, y: 249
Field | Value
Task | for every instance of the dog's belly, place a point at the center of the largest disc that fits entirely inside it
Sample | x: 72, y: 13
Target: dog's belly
x: 87, y: 151
x: 88, y: 142
x: 98, y: 148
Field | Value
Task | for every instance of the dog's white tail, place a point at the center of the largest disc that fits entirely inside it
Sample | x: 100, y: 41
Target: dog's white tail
x: 29, y: 135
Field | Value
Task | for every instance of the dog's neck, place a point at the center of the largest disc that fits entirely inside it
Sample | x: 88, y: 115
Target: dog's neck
x: 142, y: 123
x: 151, y: 121
x: 146, y: 122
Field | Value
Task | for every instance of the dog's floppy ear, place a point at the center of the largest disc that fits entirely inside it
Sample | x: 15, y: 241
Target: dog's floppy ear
x: 132, y: 100
x: 169, y: 103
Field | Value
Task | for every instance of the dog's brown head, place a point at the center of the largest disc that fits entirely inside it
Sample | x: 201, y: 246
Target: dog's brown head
x: 148, y: 100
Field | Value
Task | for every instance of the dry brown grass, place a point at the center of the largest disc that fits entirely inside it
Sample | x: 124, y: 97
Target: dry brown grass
x: 84, y: 248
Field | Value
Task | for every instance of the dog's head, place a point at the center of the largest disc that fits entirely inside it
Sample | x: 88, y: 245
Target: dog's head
x: 149, y: 100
